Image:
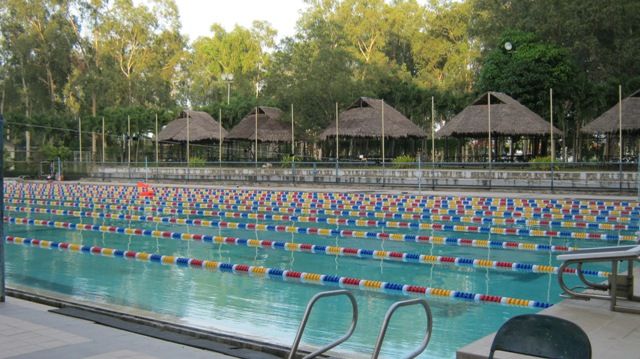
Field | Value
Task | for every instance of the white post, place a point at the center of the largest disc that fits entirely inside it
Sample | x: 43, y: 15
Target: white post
x: 489, y: 123
x: 80, y: 137
x: 188, y: 138
x: 293, y: 143
x: 337, y: 135
x: 433, y: 131
x: 620, y: 134
x: 220, y: 137
x: 620, y: 123
x: 128, y: 141
x: 382, y: 132
x: 103, y: 141
x: 157, y: 147
x: 553, y: 147
x: 256, y: 137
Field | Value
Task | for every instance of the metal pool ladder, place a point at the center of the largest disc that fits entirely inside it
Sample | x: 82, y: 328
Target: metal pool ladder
x: 387, y: 318
x: 354, y: 321
x: 619, y: 286
x: 305, y: 318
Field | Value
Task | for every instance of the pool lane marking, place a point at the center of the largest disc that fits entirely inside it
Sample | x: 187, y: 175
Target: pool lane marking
x: 385, y: 209
x: 274, y: 273
x: 311, y: 248
x: 420, y: 239
x: 343, y: 198
x: 507, y: 231
x: 419, y: 217
x: 287, y: 210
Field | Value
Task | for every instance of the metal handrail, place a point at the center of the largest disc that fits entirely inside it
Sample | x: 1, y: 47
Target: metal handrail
x: 387, y: 318
x: 305, y: 318
x: 603, y: 254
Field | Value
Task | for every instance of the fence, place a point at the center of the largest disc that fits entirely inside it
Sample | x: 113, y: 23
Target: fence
x: 610, y: 177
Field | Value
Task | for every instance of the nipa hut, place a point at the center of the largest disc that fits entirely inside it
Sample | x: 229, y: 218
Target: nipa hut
x: 201, y: 133
x: 509, y: 120
x: 360, y: 130
x: 267, y: 127
x: 608, y: 125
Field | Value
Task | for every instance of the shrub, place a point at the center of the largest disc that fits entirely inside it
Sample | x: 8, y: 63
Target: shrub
x: 197, y: 162
x: 404, y: 161
x: 52, y: 152
x: 542, y: 163
x: 287, y: 160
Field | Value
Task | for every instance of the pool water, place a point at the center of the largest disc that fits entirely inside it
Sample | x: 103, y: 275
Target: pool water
x: 271, y: 310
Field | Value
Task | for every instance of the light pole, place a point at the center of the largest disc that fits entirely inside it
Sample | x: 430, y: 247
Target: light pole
x: 228, y: 78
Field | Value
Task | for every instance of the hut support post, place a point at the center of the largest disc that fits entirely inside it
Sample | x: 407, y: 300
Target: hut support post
x: 553, y: 151
x: 220, y: 141
x: 383, y: 154
x: 620, y: 135
x: 129, y: 145
x: 80, y: 138
x: 337, y: 143
x: 433, y: 143
x: 104, y: 147
x: 156, y: 137
x: 293, y: 149
x: 489, y: 124
x: 256, y: 139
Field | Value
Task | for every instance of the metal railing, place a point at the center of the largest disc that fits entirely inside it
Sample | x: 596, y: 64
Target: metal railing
x: 387, y: 318
x: 418, y: 175
x: 618, y: 285
x: 305, y: 318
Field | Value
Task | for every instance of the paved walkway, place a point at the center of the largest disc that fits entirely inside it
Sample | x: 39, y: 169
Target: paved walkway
x: 29, y: 330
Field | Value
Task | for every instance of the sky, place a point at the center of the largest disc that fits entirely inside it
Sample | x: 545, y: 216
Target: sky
x: 197, y: 16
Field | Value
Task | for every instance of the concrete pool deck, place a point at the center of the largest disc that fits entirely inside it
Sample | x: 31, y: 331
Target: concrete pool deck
x: 613, y: 335
x: 30, y: 330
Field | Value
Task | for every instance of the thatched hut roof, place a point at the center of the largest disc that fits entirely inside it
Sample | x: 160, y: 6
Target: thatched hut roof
x: 609, y: 121
x: 508, y: 117
x: 270, y: 129
x: 364, y: 119
x: 201, y: 127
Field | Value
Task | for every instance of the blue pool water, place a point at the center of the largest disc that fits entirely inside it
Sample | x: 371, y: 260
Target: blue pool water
x: 271, y: 309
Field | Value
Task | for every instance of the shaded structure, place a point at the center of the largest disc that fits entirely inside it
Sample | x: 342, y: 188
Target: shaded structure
x: 606, y: 129
x: 359, y: 131
x: 203, y: 134
x: 525, y: 130
x: 271, y: 134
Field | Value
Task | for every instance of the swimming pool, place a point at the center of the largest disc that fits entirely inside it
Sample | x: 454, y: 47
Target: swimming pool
x: 466, y: 253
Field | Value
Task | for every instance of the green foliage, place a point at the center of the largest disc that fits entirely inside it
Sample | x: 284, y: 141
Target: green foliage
x: 287, y: 160
x: 528, y: 71
x: 542, y: 163
x: 404, y: 161
x: 51, y: 152
x: 197, y: 162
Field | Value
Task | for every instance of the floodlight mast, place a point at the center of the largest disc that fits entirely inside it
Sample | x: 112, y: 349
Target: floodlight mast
x: 228, y: 78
